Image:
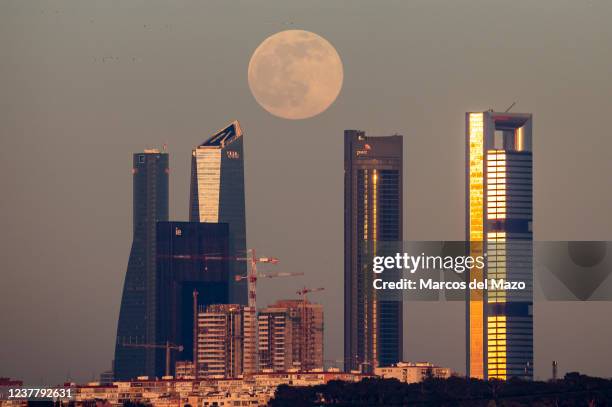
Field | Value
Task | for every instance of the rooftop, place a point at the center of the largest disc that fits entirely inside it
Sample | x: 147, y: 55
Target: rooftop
x: 224, y: 136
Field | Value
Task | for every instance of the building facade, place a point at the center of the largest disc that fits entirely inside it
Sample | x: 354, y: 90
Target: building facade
x: 136, y: 322
x: 217, y: 195
x: 290, y: 336
x: 499, y: 216
x: 411, y: 372
x: 193, y: 272
x: 257, y: 390
x: 274, y: 340
x: 227, y: 339
x: 373, y: 213
x: 183, y: 369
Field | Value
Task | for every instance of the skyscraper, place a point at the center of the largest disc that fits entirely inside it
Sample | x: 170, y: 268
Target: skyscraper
x: 372, y: 213
x: 290, y: 335
x: 499, y: 215
x: 217, y: 194
x: 191, y: 259
x: 150, y: 204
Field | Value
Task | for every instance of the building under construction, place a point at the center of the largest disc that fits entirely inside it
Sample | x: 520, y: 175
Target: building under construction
x: 226, y: 341
x: 290, y: 335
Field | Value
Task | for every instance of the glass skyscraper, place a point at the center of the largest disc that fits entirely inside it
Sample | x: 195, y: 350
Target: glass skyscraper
x: 372, y: 214
x: 191, y: 257
x: 499, y: 215
x: 217, y: 195
x: 136, y: 322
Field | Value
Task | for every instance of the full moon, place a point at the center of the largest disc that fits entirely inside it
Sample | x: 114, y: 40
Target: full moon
x: 295, y: 74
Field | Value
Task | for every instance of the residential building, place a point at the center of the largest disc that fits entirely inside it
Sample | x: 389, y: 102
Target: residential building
x: 410, y: 372
x: 290, y: 336
x: 226, y: 341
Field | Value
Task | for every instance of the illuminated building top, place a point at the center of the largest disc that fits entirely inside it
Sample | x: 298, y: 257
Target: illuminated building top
x: 225, y: 136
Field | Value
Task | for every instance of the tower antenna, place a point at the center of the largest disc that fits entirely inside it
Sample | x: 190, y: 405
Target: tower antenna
x: 510, y: 107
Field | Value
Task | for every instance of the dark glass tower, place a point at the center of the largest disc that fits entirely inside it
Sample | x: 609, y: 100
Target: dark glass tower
x: 372, y: 213
x: 499, y: 216
x: 136, y: 322
x: 191, y: 256
x: 217, y: 195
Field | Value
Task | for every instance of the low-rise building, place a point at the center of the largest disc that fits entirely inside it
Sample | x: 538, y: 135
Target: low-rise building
x: 255, y: 390
x: 412, y: 372
x: 184, y: 370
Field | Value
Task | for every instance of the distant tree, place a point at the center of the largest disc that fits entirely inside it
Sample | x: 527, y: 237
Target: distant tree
x: 574, y: 390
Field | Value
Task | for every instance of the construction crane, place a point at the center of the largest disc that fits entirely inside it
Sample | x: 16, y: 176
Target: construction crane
x: 251, y: 277
x: 252, y: 273
x: 194, y: 360
x: 168, y: 346
x: 304, y: 340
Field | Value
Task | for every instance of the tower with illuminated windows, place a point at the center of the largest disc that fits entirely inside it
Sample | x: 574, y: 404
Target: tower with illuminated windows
x: 217, y: 195
x: 499, y: 215
x: 372, y: 215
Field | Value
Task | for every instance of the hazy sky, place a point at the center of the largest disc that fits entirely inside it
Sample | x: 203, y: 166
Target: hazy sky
x: 84, y: 84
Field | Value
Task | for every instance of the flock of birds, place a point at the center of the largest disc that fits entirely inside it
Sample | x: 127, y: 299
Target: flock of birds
x: 151, y: 27
x: 115, y: 59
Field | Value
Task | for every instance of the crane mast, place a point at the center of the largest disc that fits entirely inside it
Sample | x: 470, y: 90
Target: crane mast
x: 168, y: 346
x: 252, y: 276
